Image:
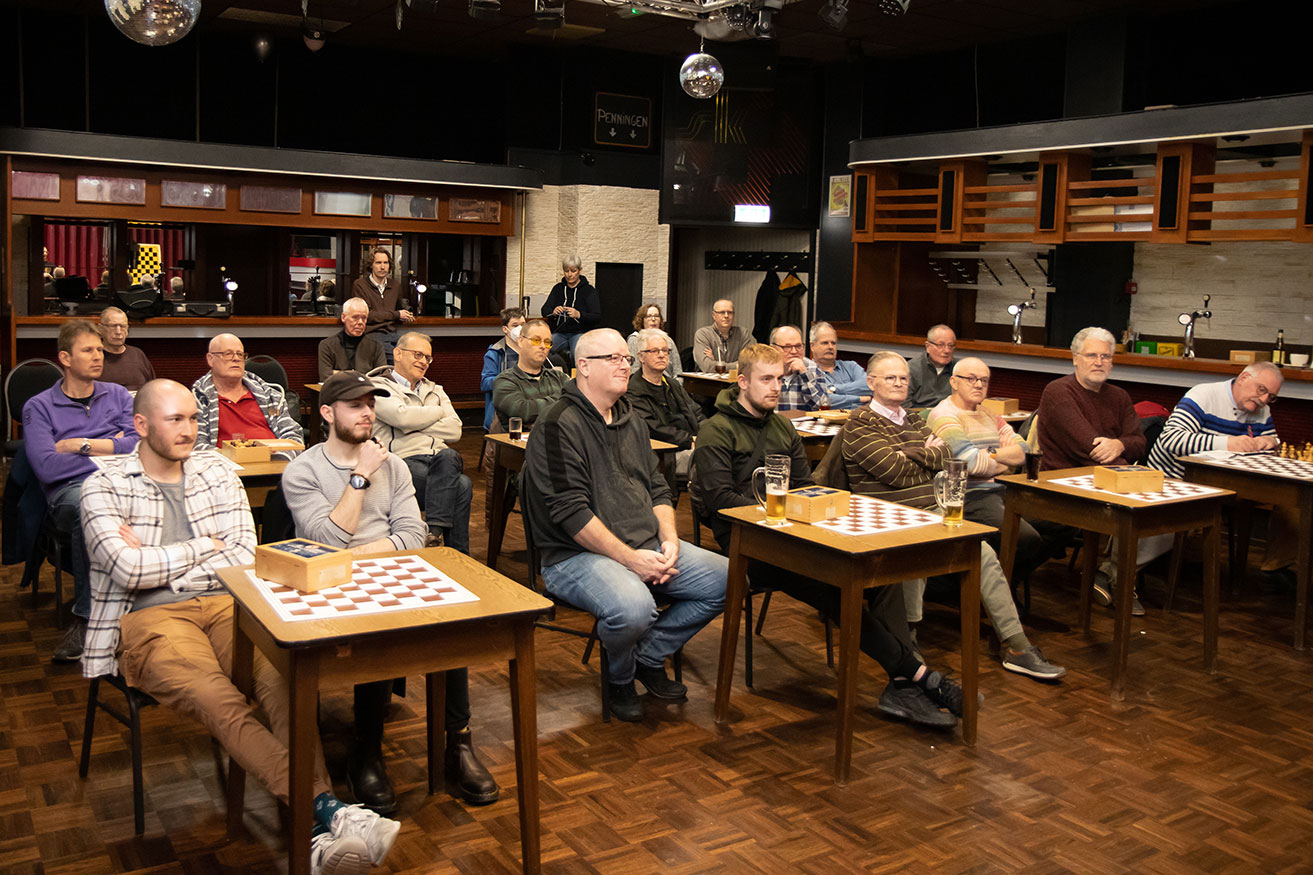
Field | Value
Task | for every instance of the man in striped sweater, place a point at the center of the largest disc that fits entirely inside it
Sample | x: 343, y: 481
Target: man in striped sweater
x: 891, y: 453
x: 1231, y: 415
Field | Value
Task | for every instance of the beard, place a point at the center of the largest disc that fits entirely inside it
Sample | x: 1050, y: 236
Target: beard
x: 349, y: 435
x: 167, y: 449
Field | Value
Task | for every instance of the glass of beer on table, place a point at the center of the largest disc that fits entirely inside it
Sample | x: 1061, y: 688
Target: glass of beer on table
x: 776, y: 474
x: 951, y: 491
x: 515, y: 428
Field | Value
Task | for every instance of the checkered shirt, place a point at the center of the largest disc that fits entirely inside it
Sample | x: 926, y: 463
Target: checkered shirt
x: 803, y: 391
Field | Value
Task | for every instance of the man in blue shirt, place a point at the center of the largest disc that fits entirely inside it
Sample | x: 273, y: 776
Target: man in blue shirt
x: 845, y: 379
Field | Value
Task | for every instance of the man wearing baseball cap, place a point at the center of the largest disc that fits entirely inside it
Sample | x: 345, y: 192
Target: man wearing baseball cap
x: 351, y: 492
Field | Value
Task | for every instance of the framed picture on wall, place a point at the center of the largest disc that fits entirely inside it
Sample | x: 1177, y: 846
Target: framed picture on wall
x: 841, y: 195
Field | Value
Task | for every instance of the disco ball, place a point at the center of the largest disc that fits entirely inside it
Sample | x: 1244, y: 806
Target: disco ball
x: 701, y: 75
x: 153, y: 22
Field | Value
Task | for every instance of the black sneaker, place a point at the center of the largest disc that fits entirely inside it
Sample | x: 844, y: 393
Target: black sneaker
x: 946, y: 693
x: 69, y: 649
x: 905, y: 700
x: 625, y: 704
x: 659, y: 684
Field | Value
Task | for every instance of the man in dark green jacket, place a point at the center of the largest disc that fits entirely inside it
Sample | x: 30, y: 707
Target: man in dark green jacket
x: 533, y: 385
x: 670, y: 414
x: 735, y: 442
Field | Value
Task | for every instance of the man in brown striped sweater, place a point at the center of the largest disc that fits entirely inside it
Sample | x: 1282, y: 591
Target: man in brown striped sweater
x: 891, y: 453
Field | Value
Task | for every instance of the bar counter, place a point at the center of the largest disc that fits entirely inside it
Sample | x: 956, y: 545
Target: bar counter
x: 42, y: 327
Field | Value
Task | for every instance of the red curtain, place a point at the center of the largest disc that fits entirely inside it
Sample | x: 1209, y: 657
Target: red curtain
x: 79, y: 249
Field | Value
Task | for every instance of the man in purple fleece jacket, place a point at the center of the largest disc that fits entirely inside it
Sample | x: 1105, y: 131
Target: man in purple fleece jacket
x: 62, y: 428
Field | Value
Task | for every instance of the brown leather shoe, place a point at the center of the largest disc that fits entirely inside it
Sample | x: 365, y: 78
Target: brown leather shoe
x: 466, y: 776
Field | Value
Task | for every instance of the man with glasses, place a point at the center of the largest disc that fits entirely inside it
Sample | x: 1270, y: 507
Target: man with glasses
x: 601, y: 517
x: 845, y: 380
x: 534, y: 384
x: 931, y: 370
x: 890, y: 452
x: 231, y: 402
x: 416, y: 421
x: 125, y: 365
x: 803, y: 386
x: 671, y: 415
x: 350, y: 349
x: 1233, y: 415
x: 721, y: 341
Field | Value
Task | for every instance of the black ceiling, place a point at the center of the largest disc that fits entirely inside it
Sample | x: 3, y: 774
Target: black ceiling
x: 929, y: 26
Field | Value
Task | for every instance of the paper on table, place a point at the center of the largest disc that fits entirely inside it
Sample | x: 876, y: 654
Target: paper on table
x: 102, y: 461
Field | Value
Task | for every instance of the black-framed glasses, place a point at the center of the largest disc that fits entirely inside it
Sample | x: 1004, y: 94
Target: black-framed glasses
x: 974, y: 381
x: 665, y: 351
x: 790, y: 347
x: 230, y: 356
x: 1093, y: 357
x: 1266, y: 395
x: 942, y: 344
x: 615, y: 358
x: 422, y: 356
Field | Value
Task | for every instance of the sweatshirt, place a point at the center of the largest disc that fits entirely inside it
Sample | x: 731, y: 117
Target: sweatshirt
x: 670, y: 414
x: 516, y: 392
x: 891, y: 461
x: 583, y: 298
x: 313, y: 485
x: 1071, y: 417
x: 52, y: 416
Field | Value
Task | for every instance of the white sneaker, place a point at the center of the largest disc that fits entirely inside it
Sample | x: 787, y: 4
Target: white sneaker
x: 378, y: 833
x: 332, y: 854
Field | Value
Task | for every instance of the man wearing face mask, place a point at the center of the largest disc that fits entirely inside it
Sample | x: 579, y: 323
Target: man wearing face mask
x: 500, y: 356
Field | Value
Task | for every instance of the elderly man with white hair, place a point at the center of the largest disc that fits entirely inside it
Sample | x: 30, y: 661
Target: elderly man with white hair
x: 351, y: 349
x: 845, y: 380
x: 125, y: 365
x: 230, y: 401
x: 803, y: 385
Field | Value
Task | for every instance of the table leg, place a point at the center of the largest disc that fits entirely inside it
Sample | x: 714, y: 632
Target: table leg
x: 303, y: 729
x: 970, y: 611
x: 500, y: 511
x: 1244, y: 527
x: 1174, y: 569
x: 1089, y: 564
x: 1127, y: 542
x: 850, y: 624
x: 524, y: 721
x: 1212, y: 572
x: 1303, y: 566
x: 435, y: 693
x: 736, y: 585
x: 243, y: 680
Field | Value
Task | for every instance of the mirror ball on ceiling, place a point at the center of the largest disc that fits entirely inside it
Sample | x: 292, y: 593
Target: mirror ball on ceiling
x: 153, y: 22
x: 701, y: 76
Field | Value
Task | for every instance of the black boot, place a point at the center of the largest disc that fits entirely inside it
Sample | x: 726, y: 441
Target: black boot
x: 466, y: 776
x: 369, y: 780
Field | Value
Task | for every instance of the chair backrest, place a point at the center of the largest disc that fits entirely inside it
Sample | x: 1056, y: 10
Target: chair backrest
x: 830, y: 471
x: 267, y: 368
x: 276, y: 521
x: 29, y: 377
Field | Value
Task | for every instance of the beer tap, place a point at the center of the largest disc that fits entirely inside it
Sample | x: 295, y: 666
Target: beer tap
x: 1016, y: 310
x: 1188, y: 320
x: 229, y: 286
x: 418, y: 288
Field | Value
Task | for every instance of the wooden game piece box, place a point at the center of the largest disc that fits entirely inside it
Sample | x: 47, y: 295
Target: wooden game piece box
x: 837, y: 417
x: 245, y: 451
x: 304, y: 565
x: 1001, y: 406
x: 1128, y: 478
x: 812, y: 504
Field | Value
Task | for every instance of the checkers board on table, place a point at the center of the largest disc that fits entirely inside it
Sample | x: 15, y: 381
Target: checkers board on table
x: 818, y: 427
x: 396, y: 583
x: 1172, y: 489
x: 872, y: 516
x: 1271, y: 464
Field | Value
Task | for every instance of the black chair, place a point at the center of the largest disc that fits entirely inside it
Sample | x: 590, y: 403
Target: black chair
x: 29, y: 377
x: 131, y: 718
x: 268, y: 368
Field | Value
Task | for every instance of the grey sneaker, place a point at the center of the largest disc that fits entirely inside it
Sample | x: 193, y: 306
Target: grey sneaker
x: 332, y: 854
x: 946, y: 693
x: 906, y: 701
x: 69, y: 649
x: 1102, y: 589
x: 1031, y: 662
x: 377, y: 832
x: 1137, y: 609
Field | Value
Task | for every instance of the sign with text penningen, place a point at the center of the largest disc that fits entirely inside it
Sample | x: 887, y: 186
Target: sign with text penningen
x: 622, y: 120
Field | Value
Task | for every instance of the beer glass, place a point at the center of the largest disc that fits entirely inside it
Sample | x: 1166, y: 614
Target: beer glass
x: 776, y: 474
x: 514, y: 428
x: 951, y: 490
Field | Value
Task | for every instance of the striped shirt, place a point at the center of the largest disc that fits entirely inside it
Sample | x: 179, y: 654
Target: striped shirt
x: 970, y: 435
x: 122, y: 494
x: 270, y: 397
x: 1203, y: 420
x: 891, y: 461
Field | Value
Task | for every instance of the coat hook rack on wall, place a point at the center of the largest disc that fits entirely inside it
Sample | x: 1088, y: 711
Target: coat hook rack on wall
x: 780, y: 262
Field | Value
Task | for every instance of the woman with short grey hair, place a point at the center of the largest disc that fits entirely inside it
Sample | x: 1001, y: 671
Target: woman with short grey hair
x: 572, y: 307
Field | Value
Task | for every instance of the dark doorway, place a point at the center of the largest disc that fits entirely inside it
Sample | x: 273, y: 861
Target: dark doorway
x: 620, y: 290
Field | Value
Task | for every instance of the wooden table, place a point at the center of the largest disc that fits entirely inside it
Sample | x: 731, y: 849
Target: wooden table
x: 815, y: 445
x: 1127, y: 520
x: 1266, y: 487
x: 315, y: 423
x: 853, y: 564
x: 341, y: 652
x: 508, y: 456
x: 259, y: 478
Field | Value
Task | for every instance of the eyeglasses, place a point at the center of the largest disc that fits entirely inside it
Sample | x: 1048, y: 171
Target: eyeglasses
x: 110, y: 326
x: 665, y: 351
x: 948, y: 344
x: 230, y: 356
x: 723, y: 312
x: 1266, y: 395
x: 790, y: 347
x: 974, y: 381
x: 615, y: 358
x: 896, y: 379
x: 1093, y: 357
x: 424, y: 357
x: 537, y: 341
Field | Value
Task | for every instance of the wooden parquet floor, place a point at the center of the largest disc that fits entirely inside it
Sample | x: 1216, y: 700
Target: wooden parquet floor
x: 1192, y: 773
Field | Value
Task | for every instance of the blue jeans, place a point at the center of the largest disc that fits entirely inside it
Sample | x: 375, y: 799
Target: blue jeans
x: 560, y: 340
x: 444, y: 493
x: 66, y: 509
x: 628, y: 622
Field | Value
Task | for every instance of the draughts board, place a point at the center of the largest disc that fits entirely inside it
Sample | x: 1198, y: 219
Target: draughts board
x: 817, y: 427
x: 1173, y: 490
x: 1272, y: 465
x: 871, y: 516
x: 378, y: 586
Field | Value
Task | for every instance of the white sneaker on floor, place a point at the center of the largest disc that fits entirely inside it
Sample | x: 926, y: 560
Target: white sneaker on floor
x: 332, y: 854
x: 377, y: 832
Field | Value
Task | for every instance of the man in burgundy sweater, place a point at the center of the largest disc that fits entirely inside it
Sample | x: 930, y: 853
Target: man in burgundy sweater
x: 1082, y: 419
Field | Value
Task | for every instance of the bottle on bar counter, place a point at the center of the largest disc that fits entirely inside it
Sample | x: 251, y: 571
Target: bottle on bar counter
x: 1279, y: 351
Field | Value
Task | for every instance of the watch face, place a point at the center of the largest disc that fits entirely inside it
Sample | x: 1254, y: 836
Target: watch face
x: 358, y: 482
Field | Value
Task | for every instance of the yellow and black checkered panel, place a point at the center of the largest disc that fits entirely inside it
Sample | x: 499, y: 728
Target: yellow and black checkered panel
x: 147, y: 263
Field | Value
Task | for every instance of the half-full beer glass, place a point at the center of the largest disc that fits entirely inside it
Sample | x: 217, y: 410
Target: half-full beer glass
x: 776, y: 474
x: 951, y: 491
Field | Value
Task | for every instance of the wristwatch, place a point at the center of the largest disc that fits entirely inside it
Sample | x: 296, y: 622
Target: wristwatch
x: 85, y: 449
x: 358, y: 481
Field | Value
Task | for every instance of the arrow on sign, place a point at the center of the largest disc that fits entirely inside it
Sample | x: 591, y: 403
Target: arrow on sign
x: 613, y: 132
x: 633, y: 134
